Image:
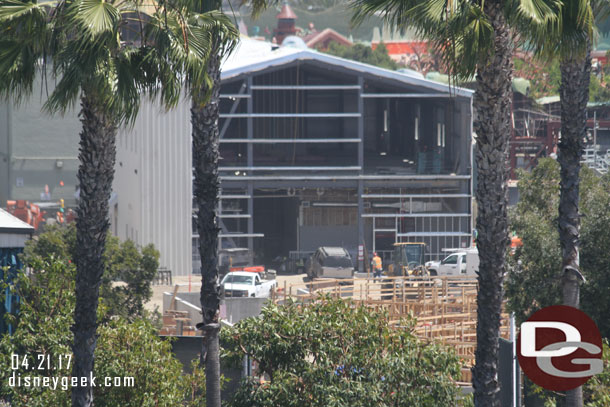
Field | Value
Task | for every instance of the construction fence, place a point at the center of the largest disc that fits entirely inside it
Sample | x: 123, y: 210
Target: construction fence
x: 445, y: 307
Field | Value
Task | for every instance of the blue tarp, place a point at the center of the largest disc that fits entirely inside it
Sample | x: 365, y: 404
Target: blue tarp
x: 9, y: 257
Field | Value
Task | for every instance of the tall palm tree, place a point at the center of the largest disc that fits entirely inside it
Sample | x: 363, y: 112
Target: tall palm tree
x: 204, y: 121
x: 574, y: 95
x: 475, y: 38
x: 205, y: 134
x: 107, y: 54
x: 571, y: 41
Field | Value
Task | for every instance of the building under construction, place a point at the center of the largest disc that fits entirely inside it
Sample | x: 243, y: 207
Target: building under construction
x: 321, y: 151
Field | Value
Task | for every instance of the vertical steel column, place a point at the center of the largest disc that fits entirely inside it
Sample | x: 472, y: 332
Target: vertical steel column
x: 250, y: 124
x: 250, y: 162
x: 9, y: 149
x: 361, y: 124
x: 219, y: 218
x: 361, y: 165
x: 251, y: 213
x: 472, y: 163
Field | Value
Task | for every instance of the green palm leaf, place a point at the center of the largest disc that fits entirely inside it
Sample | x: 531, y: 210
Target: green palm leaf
x: 97, y: 16
x: 14, y: 9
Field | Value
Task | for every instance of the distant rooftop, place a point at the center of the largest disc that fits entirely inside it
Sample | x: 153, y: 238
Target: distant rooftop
x: 286, y: 13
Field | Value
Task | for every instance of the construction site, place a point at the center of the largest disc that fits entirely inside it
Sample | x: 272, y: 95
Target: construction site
x: 445, y: 308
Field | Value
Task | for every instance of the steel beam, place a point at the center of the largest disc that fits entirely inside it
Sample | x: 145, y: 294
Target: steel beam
x: 415, y: 215
x: 406, y: 95
x: 234, y: 197
x: 360, y: 101
x: 306, y: 87
x: 233, y: 235
x: 225, y: 125
x: 234, y: 96
x: 339, y: 177
x: 433, y: 234
x: 250, y: 126
x: 401, y: 196
x: 251, y: 218
x: 285, y: 115
x: 288, y: 168
x: 290, y: 141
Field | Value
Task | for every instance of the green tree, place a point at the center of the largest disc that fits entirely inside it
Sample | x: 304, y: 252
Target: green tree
x: 106, y: 54
x: 363, y: 53
x: 475, y: 39
x: 535, y: 278
x: 597, y: 390
x: 128, y: 271
x: 55, y: 241
x: 597, y: 91
x: 337, y: 353
x: 125, y: 349
x: 544, y: 76
x: 133, y: 267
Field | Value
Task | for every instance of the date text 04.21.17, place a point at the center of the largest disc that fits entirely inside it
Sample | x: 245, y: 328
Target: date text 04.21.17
x: 41, y: 361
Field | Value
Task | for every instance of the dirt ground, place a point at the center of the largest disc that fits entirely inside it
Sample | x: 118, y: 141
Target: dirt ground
x: 195, y: 285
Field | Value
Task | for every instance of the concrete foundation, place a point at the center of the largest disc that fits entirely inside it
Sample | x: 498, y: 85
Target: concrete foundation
x: 231, y: 309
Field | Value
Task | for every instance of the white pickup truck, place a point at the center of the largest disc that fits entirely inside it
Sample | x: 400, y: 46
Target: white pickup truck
x: 464, y: 262
x: 246, y: 284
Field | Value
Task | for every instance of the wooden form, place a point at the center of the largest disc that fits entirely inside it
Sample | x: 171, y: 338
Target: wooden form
x: 445, y: 307
x: 177, y: 323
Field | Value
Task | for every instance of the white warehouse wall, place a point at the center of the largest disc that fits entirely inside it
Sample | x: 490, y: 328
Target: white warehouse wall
x: 153, y: 184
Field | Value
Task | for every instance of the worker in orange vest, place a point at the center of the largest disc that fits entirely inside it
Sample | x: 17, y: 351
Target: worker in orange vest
x: 377, y: 266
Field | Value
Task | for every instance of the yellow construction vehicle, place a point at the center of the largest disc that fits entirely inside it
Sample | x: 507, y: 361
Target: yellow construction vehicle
x: 408, y: 260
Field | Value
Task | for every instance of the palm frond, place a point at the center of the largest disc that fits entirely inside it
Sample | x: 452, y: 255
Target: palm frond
x: 258, y: 6
x: 95, y: 16
x: 535, y: 11
x: 14, y: 9
x: 26, y: 33
x: 567, y: 34
x: 92, y: 48
x: 457, y: 29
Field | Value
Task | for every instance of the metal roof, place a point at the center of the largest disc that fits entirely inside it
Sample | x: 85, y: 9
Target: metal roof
x: 12, y: 224
x: 334, y: 251
x: 253, y: 56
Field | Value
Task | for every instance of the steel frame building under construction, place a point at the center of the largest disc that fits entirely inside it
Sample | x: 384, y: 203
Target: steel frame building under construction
x: 321, y: 151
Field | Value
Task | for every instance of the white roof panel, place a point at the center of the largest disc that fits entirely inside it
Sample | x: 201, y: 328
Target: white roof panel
x: 10, y: 223
x: 254, y: 56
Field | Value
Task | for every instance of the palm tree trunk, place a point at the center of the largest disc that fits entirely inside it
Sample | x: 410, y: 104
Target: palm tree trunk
x: 492, y: 102
x: 204, y: 118
x: 574, y: 92
x: 95, y: 174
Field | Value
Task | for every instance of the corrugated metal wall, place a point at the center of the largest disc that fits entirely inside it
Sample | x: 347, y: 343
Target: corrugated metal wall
x: 153, y: 184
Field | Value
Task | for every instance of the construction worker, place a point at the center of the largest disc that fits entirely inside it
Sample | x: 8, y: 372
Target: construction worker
x: 377, y: 266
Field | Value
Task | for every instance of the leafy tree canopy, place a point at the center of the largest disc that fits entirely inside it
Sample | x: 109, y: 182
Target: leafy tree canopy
x: 545, y: 79
x: 363, y: 53
x: 336, y: 353
x: 124, y: 349
x: 536, y: 282
x: 127, y: 279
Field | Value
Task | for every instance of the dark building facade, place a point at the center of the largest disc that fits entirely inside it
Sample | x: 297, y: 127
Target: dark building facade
x: 321, y: 151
